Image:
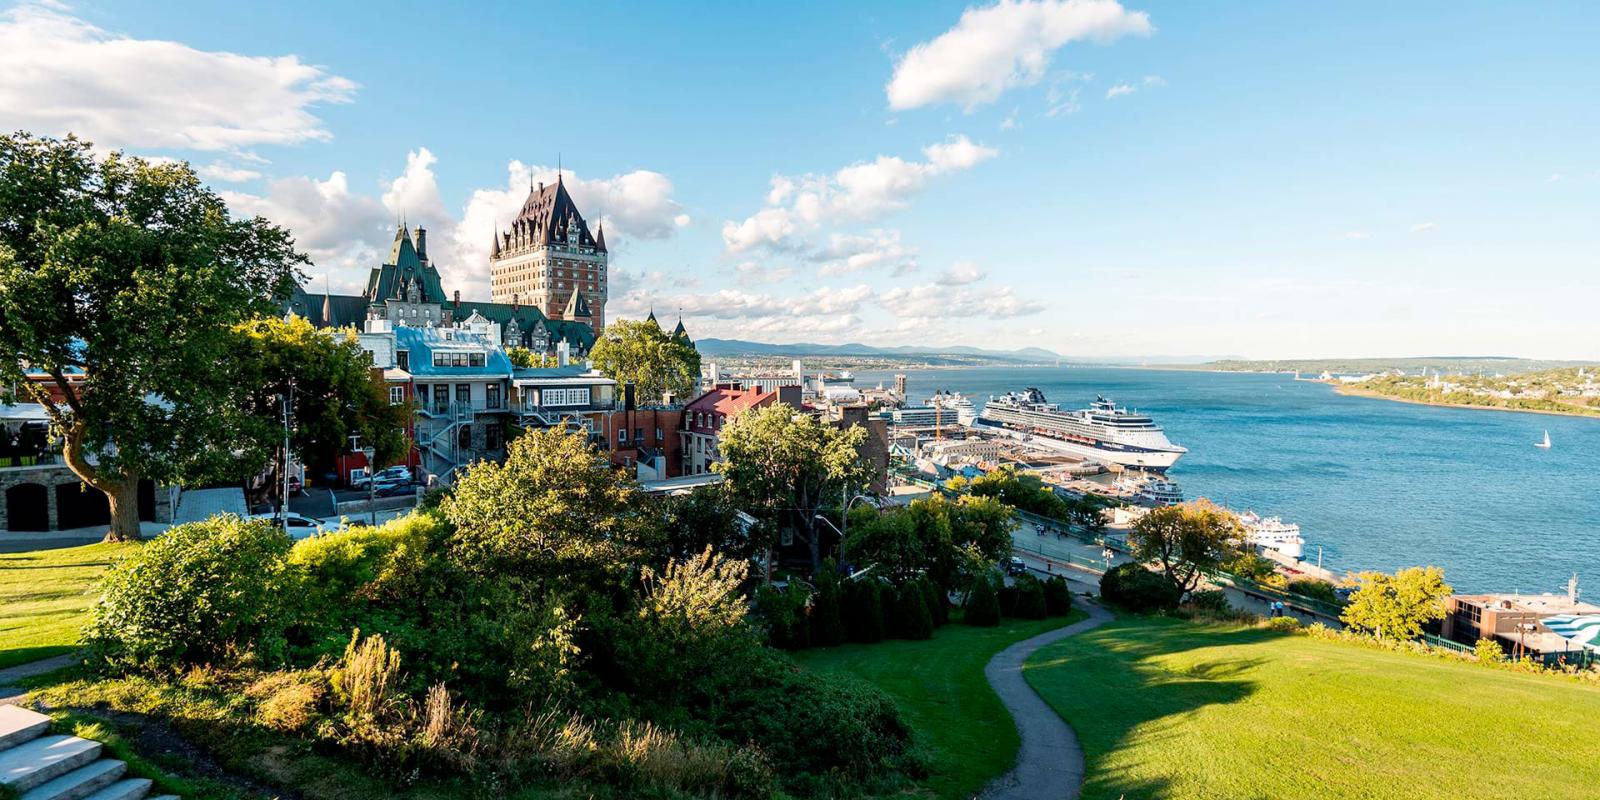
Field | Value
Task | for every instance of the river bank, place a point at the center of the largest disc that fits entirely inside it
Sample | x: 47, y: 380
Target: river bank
x: 1356, y: 391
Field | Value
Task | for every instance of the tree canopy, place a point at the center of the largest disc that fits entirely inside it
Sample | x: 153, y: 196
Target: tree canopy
x: 1398, y: 605
x: 1188, y: 540
x: 121, y: 281
x: 642, y: 354
x: 787, y: 466
x: 932, y: 536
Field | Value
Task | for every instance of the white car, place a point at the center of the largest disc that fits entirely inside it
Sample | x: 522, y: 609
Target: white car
x: 298, y: 525
x: 388, y: 475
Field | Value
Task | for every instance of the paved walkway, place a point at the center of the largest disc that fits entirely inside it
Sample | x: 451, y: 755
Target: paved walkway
x: 11, y: 694
x: 1050, y: 762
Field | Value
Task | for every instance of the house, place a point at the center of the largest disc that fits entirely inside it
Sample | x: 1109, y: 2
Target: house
x: 705, y: 417
x: 1537, y: 625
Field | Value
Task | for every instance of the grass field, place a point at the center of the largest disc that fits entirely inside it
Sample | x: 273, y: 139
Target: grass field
x: 45, y: 596
x: 1181, y: 711
x: 939, y: 686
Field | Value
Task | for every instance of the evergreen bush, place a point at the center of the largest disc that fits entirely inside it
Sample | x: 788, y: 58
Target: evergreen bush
x: 1006, y: 595
x: 983, y: 607
x: 1139, y: 590
x: 863, y: 617
x: 938, y: 605
x: 1030, y: 602
x: 1057, y: 597
x: 911, y: 617
x: 827, y: 626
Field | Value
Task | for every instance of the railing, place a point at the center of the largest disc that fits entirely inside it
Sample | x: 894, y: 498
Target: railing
x: 458, y: 411
x: 21, y: 462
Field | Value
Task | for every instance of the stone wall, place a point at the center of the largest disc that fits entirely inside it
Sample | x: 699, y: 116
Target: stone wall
x: 50, y: 476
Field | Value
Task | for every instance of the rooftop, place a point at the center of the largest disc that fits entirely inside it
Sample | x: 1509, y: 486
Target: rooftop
x: 1540, y: 604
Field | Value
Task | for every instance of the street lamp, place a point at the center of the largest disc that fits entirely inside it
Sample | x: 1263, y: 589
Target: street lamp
x: 844, y: 521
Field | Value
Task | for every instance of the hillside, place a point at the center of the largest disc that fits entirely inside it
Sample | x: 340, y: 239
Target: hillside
x: 953, y: 353
x: 1449, y: 365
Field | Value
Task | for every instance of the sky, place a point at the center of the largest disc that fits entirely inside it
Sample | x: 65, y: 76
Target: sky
x: 1102, y: 179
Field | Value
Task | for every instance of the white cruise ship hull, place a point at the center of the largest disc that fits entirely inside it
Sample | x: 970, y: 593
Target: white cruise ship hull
x: 1148, y: 460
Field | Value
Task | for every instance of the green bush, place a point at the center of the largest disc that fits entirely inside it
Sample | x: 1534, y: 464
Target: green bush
x: 1057, y: 597
x: 1286, y: 624
x: 1030, y: 603
x: 202, y: 593
x: 784, y: 613
x: 827, y: 626
x: 1139, y: 590
x: 938, y: 605
x: 1214, y: 600
x: 911, y: 617
x: 983, y: 607
x: 1489, y: 652
x: 1006, y: 596
x: 863, y: 611
x: 1314, y: 589
x: 366, y: 563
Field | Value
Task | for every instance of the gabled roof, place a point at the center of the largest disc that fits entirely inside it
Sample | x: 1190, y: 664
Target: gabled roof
x: 328, y: 310
x: 546, y: 216
x: 421, y: 342
x: 404, y: 267
x: 577, y: 306
x: 578, y: 334
x: 730, y: 401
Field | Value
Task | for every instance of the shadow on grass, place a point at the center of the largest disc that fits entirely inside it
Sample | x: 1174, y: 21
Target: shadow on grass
x: 1110, y: 682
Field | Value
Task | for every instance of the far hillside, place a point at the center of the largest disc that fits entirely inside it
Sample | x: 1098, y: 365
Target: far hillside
x: 1448, y: 365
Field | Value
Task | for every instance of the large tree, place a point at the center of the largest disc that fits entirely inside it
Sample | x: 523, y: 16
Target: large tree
x: 121, y: 281
x: 333, y: 391
x: 1398, y: 605
x: 932, y: 536
x: 1189, y: 540
x: 787, y: 466
x: 642, y: 354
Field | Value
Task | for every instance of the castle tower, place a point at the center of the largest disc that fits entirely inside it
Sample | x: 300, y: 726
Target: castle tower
x: 549, y: 259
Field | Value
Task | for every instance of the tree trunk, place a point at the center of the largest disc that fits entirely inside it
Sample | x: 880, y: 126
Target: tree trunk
x: 122, y: 493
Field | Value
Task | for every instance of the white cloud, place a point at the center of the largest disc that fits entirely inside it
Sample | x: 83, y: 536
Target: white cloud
x: 1010, y: 121
x: 1002, y: 46
x: 751, y: 273
x: 934, y: 301
x: 61, y: 74
x: 227, y: 173
x: 1154, y: 81
x: 1119, y: 90
x: 1355, y: 234
x: 846, y: 253
x: 1423, y: 227
x: 797, y: 205
x: 342, y: 232
x: 960, y: 274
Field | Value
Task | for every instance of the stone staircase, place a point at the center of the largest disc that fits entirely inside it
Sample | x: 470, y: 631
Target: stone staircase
x: 37, y: 766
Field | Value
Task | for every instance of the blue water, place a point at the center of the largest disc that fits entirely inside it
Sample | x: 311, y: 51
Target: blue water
x: 1377, y: 484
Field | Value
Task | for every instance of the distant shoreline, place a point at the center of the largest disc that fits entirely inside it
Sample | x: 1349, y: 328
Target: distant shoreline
x: 1353, y: 391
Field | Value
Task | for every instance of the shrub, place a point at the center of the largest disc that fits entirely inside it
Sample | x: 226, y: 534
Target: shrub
x: 689, y: 622
x: 863, y: 611
x: 1030, y: 602
x: 911, y: 617
x: 365, y: 563
x: 1057, y: 597
x: 1285, y: 624
x: 1006, y: 595
x: 1489, y: 652
x: 936, y: 601
x: 366, y: 686
x: 983, y: 608
x: 827, y: 628
x: 288, y: 701
x: 1138, y: 589
x: 784, y: 613
x: 1314, y: 589
x: 201, y: 593
x: 1213, y: 600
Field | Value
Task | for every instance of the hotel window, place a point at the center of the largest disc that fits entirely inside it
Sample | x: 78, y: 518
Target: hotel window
x: 464, y: 395
x: 397, y: 395
x: 491, y: 396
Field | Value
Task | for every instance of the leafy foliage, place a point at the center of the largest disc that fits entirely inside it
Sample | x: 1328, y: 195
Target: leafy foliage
x: 1398, y: 605
x: 983, y: 606
x: 640, y: 353
x: 1030, y: 598
x: 1057, y: 597
x: 1189, y: 540
x: 203, y: 593
x: 132, y: 275
x: 1138, y: 589
x: 932, y: 536
x: 863, y: 610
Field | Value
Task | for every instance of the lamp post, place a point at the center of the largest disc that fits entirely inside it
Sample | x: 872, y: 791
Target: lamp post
x: 372, y: 474
x: 844, y: 521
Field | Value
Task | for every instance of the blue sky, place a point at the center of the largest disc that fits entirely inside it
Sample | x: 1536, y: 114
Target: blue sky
x: 1256, y: 179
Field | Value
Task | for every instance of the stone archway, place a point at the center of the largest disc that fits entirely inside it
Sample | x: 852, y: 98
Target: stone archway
x: 28, y: 507
x: 78, y: 506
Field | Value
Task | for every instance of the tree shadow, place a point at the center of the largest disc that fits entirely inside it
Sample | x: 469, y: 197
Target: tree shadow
x: 1108, y: 685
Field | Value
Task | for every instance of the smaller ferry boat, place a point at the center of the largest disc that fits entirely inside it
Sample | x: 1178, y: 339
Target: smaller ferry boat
x: 1544, y: 444
x: 1273, y: 532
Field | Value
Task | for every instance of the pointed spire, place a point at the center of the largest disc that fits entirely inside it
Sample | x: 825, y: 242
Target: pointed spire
x: 600, y: 236
x: 494, y: 245
x: 652, y: 317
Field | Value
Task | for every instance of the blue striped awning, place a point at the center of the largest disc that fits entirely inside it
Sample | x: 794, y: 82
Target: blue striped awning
x: 1583, y: 630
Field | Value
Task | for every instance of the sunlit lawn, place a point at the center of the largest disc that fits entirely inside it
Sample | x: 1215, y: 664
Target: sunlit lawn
x: 939, y: 686
x: 1181, y: 711
x: 45, y: 596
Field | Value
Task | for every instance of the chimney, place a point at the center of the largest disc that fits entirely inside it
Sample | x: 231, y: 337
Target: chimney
x: 458, y: 298
x: 563, y: 353
x: 422, y: 244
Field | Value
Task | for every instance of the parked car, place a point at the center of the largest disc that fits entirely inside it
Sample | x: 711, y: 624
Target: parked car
x: 298, y: 525
x: 400, y: 489
x: 1016, y: 566
x: 387, y: 475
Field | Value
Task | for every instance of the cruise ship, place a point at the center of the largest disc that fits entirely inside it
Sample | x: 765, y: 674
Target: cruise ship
x: 1102, y: 431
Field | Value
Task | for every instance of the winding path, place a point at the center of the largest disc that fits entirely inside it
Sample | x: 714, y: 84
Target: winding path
x: 1049, y: 762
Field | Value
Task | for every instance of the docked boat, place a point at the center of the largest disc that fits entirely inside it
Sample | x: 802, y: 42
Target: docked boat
x: 1273, y: 532
x: 1157, y: 492
x: 943, y: 409
x: 1103, y: 431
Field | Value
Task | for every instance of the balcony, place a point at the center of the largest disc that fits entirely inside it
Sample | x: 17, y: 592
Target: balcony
x: 31, y: 461
x: 458, y: 412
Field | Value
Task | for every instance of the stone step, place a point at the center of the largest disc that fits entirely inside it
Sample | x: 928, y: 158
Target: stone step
x: 18, y: 725
x: 79, y: 783
x: 130, y: 789
x: 29, y: 764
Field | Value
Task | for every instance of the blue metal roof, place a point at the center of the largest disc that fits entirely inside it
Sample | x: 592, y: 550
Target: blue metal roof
x: 422, y: 342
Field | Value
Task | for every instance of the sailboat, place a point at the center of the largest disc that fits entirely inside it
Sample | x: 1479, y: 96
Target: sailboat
x: 1544, y: 444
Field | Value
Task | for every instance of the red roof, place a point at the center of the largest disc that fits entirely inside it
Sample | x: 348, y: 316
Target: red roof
x: 729, y: 401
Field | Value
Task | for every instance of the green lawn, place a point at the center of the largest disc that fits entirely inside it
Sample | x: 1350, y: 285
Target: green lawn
x: 939, y: 686
x: 1179, y: 711
x: 45, y: 596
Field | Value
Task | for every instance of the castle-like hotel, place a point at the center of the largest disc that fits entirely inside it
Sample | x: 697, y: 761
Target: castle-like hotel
x: 547, y: 282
